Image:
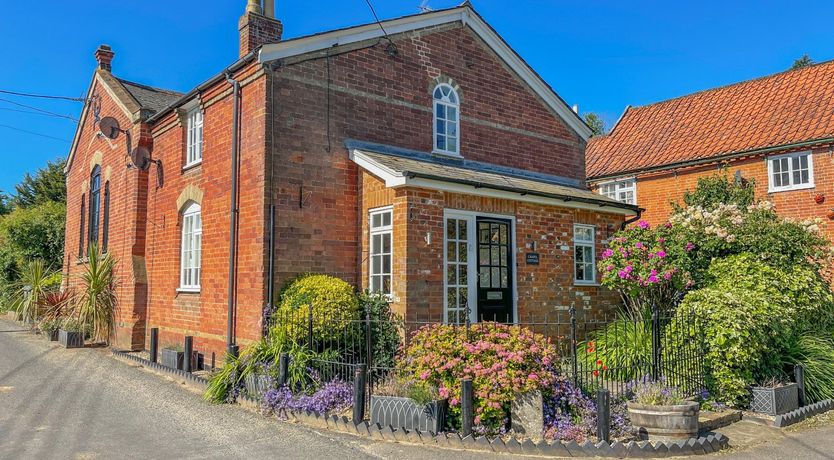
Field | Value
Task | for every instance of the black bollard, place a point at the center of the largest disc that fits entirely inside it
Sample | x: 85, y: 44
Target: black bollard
x: 466, y: 407
x: 604, y: 415
x: 154, y: 344
x: 359, y: 395
x: 188, y: 351
x: 283, y: 367
x: 799, y: 376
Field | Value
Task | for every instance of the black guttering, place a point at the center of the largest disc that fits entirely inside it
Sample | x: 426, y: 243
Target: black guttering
x: 234, y: 67
x: 231, y: 346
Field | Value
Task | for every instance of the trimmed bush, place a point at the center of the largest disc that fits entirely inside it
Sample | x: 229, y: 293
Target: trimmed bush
x: 334, y: 302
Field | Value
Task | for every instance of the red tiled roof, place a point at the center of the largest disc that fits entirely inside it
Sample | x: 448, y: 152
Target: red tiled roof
x: 775, y: 110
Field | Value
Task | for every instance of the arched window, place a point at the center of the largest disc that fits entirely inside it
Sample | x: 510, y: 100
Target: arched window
x: 81, y: 228
x: 105, y: 223
x: 95, y: 204
x: 190, y: 253
x: 446, y: 120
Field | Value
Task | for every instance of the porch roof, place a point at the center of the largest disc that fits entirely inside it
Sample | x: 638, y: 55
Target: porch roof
x: 401, y: 167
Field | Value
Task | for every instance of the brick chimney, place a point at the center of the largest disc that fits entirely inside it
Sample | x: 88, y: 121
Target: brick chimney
x: 258, y: 26
x: 104, y: 56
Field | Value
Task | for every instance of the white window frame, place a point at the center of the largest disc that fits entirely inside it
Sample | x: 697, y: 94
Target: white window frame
x: 191, y: 248
x: 792, y: 186
x: 585, y: 243
x: 448, y: 105
x: 194, y: 137
x: 381, y: 230
x: 624, y: 185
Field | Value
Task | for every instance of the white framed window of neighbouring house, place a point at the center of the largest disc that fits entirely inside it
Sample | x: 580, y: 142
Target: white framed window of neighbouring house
x: 446, y: 120
x: 194, y: 137
x: 381, y: 250
x: 191, y: 248
x: 585, y: 271
x: 791, y: 171
x: 622, y: 190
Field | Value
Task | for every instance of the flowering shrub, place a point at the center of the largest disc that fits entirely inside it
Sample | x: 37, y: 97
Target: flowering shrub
x: 642, y: 264
x: 571, y: 415
x: 335, y: 396
x: 501, y: 360
x: 332, y: 299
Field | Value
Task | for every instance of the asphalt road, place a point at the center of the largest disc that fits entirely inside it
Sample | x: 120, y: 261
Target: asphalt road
x: 84, y: 404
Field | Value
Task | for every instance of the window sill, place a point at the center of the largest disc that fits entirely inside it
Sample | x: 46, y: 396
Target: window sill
x: 586, y: 283
x: 791, y: 189
x: 188, y: 290
x: 446, y: 154
x: 191, y: 166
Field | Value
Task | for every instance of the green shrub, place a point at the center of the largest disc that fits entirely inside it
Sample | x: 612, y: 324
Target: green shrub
x: 33, y: 286
x: 719, y: 189
x: 385, y: 326
x: 334, y: 302
x: 751, y: 311
x: 815, y: 352
x: 619, y: 351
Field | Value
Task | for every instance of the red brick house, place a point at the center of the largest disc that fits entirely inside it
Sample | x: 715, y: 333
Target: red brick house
x: 777, y: 130
x: 428, y: 161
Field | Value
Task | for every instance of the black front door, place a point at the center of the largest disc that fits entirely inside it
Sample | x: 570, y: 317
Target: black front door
x: 495, y: 272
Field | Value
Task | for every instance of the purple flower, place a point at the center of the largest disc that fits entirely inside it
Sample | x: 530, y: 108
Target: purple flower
x: 643, y: 224
x: 607, y: 253
x: 689, y: 247
x: 661, y: 254
x: 638, y: 245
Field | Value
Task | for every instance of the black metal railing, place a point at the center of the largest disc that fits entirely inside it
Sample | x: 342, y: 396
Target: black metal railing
x: 597, y: 351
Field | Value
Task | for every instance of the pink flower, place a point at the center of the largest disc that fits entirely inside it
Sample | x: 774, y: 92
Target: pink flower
x: 668, y: 225
x: 425, y: 375
x: 689, y: 247
x: 667, y: 276
x: 638, y: 245
x: 609, y: 268
x: 533, y: 377
x: 607, y: 253
x: 661, y: 254
x: 643, y: 224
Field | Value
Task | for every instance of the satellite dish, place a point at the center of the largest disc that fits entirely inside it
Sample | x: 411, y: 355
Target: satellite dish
x: 141, y: 158
x: 109, y: 126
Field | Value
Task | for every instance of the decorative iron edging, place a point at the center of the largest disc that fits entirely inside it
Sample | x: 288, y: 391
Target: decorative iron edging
x: 641, y: 449
x: 798, y: 415
x: 188, y: 376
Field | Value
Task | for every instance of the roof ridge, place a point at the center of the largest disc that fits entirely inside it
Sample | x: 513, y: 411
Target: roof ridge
x: 730, y: 85
x: 149, y: 87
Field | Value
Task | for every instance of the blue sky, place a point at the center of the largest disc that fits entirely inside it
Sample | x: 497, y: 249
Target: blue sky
x: 600, y: 55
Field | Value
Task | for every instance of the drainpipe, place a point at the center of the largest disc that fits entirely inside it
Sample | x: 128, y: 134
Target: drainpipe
x: 231, y: 346
x: 633, y: 219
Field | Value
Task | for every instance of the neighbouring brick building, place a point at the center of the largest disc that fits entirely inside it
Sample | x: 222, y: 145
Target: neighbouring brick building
x: 777, y: 131
x: 432, y: 164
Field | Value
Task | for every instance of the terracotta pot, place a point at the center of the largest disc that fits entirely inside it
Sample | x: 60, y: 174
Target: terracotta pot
x: 665, y: 423
x: 819, y: 198
x: 830, y: 214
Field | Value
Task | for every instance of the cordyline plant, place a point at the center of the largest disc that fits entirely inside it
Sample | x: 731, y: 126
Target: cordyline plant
x: 96, y: 307
x: 501, y: 360
x: 32, y: 289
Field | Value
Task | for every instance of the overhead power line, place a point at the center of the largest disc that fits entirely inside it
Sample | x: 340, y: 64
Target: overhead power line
x: 33, y: 133
x: 43, y: 96
x: 392, y: 48
x: 42, y: 111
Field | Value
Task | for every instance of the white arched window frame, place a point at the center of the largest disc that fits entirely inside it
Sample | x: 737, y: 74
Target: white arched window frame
x: 191, y: 248
x: 446, y: 120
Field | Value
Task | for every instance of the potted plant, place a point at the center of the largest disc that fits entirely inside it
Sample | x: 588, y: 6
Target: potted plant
x: 659, y: 412
x: 774, y: 397
x: 49, y: 328
x: 71, y: 333
x: 173, y: 356
x: 413, y: 405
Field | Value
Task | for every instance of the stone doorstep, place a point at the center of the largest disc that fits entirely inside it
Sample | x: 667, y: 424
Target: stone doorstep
x: 453, y: 441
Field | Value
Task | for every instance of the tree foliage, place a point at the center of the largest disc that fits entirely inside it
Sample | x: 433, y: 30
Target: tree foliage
x: 48, y: 184
x: 717, y: 189
x: 803, y: 61
x: 595, y: 123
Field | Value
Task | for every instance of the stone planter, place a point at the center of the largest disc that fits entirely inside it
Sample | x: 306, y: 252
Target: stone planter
x: 774, y: 401
x: 401, y: 412
x: 527, y: 414
x: 257, y: 384
x: 71, y: 339
x: 665, y: 423
x: 52, y: 335
x: 176, y: 359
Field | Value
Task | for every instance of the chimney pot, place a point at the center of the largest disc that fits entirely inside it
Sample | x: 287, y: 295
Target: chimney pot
x: 104, y: 56
x: 257, y: 28
x: 269, y: 8
x: 254, y: 6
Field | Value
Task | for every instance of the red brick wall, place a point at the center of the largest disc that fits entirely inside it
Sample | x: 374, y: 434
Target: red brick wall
x: 374, y: 97
x: 656, y: 191
x: 145, y: 221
